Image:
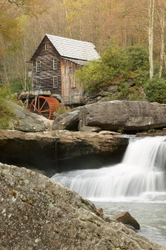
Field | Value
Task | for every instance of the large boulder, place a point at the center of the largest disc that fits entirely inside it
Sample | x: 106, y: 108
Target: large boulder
x: 123, y: 115
x: 67, y: 121
x: 39, y: 213
x: 26, y: 121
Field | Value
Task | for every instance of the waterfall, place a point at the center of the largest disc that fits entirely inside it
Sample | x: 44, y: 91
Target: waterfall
x: 140, y: 175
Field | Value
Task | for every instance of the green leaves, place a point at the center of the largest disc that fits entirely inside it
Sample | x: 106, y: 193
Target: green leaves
x: 115, y: 66
x: 155, y: 90
x: 12, y: 18
x: 5, y: 112
x: 137, y: 58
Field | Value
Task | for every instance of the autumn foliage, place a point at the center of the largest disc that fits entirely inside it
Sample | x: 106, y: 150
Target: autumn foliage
x: 108, y: 24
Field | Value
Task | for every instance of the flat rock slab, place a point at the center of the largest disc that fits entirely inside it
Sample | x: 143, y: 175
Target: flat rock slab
x: 47, y: 147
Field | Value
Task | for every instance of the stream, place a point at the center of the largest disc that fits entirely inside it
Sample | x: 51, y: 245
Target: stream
x: 136, y: 185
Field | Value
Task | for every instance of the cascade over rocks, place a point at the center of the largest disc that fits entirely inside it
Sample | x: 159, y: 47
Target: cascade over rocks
x: 39, y: 213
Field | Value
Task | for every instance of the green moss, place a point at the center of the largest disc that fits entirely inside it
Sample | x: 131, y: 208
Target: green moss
x: 6, y: 112
x: 62, y: 110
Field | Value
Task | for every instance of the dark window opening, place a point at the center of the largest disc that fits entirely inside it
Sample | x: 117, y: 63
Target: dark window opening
x: 55, y: 82
x: 38, y: 66
x: 54, y: 64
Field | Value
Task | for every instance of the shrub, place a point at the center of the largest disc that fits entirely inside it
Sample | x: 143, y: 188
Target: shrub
x: 137, y: 58
x: 5, y: 112
x: 115, y: 67
x: 155, y: 90
x: 93, y: 75
x: 125, y: 92
x: 18, y: 85
x: 62, y: 110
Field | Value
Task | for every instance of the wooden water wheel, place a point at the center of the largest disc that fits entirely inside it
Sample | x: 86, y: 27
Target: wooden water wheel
x: 44, y: 106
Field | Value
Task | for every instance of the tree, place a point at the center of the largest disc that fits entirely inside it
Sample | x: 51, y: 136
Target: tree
x: 104, y: 23
x: 13, y: 17
x: 161, y: 11
x: 150, y: 36
x: 11, y: 26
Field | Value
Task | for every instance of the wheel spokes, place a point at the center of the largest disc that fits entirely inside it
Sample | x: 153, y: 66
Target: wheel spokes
x: 34, y: 108
x: 43, y: 105
x: 46, y: 110
x: 38, y: 103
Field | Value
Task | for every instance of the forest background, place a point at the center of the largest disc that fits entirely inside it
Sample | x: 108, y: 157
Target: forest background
x: 132, y: 31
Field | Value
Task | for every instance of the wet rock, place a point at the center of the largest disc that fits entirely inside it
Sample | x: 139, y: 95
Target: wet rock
x: 129, y: 226
x: 99, y: 210
x: 39, y: 213
x: 127, y: 219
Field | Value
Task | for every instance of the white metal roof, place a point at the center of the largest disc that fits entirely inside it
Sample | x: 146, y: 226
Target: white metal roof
x: 74, y: 49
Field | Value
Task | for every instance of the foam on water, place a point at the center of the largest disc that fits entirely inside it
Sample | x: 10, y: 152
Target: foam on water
x: 140, y: 177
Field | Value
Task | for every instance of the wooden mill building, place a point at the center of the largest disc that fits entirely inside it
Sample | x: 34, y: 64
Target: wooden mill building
x: 54, y: 64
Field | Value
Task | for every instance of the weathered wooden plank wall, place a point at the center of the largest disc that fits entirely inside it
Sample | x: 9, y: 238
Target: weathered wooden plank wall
x: 68, y: 86
x: 47, y: 72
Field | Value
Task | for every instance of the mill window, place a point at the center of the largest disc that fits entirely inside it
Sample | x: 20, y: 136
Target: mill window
x: 46, y: 46
x: 54, y: 64
x: 38, y: 66
x: 71, y: 70
x: 55, y: 82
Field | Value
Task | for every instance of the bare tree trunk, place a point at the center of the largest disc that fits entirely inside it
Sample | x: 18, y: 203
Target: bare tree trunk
x: 150, y: 36
x: 162, y: 17
x: 162, y: 47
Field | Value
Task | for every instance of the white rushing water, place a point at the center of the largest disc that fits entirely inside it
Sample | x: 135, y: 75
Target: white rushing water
x: 137, y: 185
x: 140, y: 177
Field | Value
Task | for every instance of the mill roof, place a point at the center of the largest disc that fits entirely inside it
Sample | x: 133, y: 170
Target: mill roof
x: 73, y: 49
